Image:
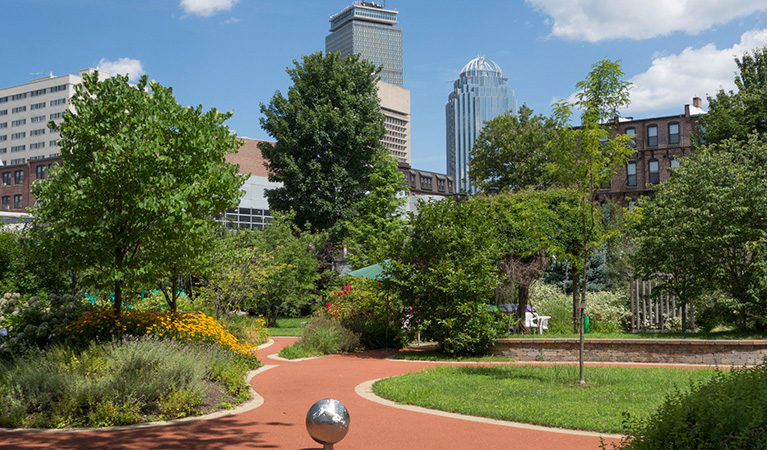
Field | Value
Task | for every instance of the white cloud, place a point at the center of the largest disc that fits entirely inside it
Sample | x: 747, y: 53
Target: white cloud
x: 597, y: 20
x: 123, y: 66
x: 672, y: 80
x: 207, y: 8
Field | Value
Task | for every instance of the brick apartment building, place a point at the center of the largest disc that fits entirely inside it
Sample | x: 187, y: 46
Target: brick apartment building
x: 660, y: 142
x: 16, y: 183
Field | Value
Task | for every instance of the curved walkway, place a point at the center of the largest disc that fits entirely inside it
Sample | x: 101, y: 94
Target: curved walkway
x: 289, y: 388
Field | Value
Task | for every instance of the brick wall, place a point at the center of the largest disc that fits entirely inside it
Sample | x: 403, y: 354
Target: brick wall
x: 669, y: 351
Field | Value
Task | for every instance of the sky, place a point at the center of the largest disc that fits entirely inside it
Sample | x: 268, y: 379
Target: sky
x: 232, y: 54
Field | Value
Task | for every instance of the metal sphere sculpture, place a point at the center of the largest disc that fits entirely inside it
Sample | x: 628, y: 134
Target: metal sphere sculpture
x: 327, y: 422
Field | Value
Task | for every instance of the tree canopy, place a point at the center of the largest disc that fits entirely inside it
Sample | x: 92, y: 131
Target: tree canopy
x: 141, y: 175
x: 707, y: 225
x: 741, y: 113
x: 511, y: 152
x: 328, y: 132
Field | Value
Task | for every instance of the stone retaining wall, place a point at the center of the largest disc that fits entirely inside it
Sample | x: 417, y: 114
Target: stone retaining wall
x: 670, y: 351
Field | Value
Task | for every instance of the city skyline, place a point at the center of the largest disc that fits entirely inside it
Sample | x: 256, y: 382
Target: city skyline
x: 232, y: 55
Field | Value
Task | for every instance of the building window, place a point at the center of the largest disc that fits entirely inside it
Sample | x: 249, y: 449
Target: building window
x: 38, y: 92
x: 654, y: 171
x: 18, y: 109
x: 17, y: 199
x: 673, y: 133
x: 412, y: 179
x: 19, y: 176
x: 631, y: 174
x: 37, y: 105
x: 57, y: 115
x: 632, y: 133
x: 7, y: 203
x: 6, y: 178
x: 40, y: 172
x: 674, y: 163
x: 652, y: 135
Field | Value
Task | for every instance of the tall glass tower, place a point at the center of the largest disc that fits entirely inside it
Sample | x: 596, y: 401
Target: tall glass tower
x: 479, y: 94
x: 368, y: 29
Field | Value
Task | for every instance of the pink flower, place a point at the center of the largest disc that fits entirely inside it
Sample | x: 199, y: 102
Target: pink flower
x: 327, y: 306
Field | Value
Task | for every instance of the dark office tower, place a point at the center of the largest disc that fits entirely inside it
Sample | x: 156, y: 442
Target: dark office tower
x: 368, y: 30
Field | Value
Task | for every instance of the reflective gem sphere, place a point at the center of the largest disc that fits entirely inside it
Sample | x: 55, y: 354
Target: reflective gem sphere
x: 327, y: 421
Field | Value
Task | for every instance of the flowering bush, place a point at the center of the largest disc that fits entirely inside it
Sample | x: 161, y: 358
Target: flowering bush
x: 607, y: 311
x: 101, y: 324
x: 363, y: 307
x: 34, y: 322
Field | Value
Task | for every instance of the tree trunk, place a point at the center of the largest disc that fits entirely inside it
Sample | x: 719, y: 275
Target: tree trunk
x: 576, y: 301
x: 118, y: 300
x: 523, y: 294
x: 692, y: 316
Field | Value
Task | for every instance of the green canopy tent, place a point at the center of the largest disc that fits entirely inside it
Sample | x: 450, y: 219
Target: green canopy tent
x: 373, y: 272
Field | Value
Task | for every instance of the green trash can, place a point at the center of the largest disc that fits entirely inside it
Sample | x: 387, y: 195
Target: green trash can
x: 585, y: 324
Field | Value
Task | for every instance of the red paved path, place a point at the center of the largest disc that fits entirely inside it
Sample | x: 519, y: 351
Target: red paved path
x: 289, y: 390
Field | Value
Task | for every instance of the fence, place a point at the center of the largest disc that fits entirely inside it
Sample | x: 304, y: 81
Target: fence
x: 650, y: 311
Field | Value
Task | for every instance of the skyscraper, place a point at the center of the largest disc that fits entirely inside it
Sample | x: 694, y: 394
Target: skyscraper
x: 368, y: 29
x: 479, y: 94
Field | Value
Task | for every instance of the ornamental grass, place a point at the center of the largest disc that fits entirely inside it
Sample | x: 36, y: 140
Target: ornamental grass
x: 104, y: 325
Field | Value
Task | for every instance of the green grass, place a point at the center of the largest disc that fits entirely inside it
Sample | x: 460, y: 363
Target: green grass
x: 322, y: 337
x: 288, y: 326
x: 542, y: 395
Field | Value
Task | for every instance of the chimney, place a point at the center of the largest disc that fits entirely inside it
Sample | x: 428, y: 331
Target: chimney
x: 696, y: 102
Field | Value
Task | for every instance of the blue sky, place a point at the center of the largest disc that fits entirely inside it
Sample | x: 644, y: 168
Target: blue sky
x: 232, y: 54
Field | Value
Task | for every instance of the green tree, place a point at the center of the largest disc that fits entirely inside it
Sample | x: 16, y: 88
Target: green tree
x: 585, y: 157
x: 511, y: 152
x: 446, y: 266
x: 271, y: 272
x: 707, y: 225
x: 140, y: 174
x: 739, y: 114
x: 531, y: 226
x: 328, y: 132
x: 372, y: 233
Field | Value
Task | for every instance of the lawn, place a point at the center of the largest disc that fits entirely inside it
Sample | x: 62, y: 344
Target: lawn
x: 542, y: 395
x: 289, y: 326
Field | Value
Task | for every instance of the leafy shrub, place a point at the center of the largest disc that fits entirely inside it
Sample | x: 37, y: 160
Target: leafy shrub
x: 322, y: 337
x: 465, y: 328
x: 154, y: 300
x: 117, y: 383
x: 101, y: 324
x: 34, y: 322
x: 247, y: 327
x: 607, y: 310
x: 365, y: 308
x: 549, y: 300
x: 730, y: 411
